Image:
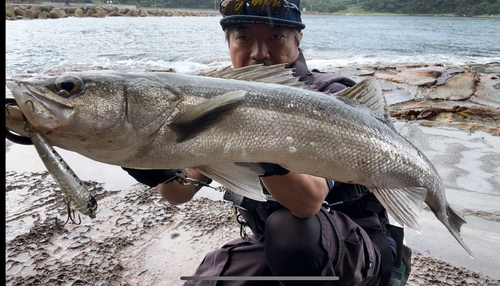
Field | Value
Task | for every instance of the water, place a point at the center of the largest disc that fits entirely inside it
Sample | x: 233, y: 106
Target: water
x: 183, y: 43
x: 191, y: 43
x: 390, y: 40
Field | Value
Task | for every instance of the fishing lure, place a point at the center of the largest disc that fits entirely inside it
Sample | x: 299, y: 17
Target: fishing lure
x: 68, y: 181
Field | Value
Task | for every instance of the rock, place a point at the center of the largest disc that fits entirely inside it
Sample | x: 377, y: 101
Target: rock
x: 110, y: 9
x: 89, y: 13
x: 114, y: 14
x: 385, y: 68
x: 18, y: 11
x: 484, y: 118
x: 9, y: 11
x: 62, y: 13
x: 36, y: 11
x: 435, y: 83
x: 152, y: 12
x: 132, y: 13
x: 79, y: 12
x: 487, y: 91
x: 28, y: 14
x: 13, y: 12
x: 366, y: 73
x: 446, y: 74
x: 416, y: 77
x: 70, y: 11
x: 46, y: 8
x: 101, y: 13
x: 54, y: 13
x: 43, y: 15
x: 459, y: 86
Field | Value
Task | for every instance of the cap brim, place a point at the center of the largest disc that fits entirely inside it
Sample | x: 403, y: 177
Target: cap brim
x: 246, y: 19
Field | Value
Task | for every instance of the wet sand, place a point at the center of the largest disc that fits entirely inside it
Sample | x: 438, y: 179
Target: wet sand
x: 138, y: 239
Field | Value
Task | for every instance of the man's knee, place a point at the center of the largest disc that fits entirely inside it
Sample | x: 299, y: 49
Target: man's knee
x: 277, y: 219
x: 293, y: 245
x: 283, y: 224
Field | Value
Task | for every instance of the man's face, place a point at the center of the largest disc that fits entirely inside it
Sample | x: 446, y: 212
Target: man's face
x: 260, y: 44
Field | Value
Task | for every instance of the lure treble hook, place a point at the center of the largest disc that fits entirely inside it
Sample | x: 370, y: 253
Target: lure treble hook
x: 71, y: 215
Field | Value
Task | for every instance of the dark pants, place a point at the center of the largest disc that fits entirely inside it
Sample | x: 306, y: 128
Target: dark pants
x: 327, y: 244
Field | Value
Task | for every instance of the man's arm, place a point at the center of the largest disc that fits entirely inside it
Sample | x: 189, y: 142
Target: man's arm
x: 176, y: 193
x: 302, y: 194
x: 166, y: 185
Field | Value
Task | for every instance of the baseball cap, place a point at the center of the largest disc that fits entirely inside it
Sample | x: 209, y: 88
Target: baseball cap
x: 275, y: 13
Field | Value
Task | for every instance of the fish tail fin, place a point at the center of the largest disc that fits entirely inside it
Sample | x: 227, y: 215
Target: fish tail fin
x: 453, y: 222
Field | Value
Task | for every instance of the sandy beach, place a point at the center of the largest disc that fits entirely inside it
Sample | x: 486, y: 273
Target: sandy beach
x: 139, y: 239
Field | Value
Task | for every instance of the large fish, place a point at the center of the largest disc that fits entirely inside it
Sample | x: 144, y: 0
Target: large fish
x: 219, y: 123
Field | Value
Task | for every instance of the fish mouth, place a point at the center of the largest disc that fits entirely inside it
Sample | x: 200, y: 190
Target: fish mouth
x: 38, y: 110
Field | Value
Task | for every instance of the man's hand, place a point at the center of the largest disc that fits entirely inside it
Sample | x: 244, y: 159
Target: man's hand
x: 172, y: 193
x: 273, y: 169
x: 153, y: 178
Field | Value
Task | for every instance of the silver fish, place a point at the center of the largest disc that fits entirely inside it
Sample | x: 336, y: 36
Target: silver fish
x: 219, y: 123
x: 68, y: 182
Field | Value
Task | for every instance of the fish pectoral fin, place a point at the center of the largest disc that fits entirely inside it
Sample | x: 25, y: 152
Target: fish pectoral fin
x: 404, y: 204
x: 241, y: 179
x: 193, y: 120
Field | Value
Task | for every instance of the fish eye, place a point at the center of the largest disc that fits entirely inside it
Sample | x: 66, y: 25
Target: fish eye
x: 67, y: 86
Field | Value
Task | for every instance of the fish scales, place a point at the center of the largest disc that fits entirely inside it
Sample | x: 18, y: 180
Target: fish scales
x: 168, y: 120
x: 289, y: 123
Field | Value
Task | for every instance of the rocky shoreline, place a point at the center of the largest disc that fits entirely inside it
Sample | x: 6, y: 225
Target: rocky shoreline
x: 138, y: 239
x: 19, y: 12
x: 465, y: 97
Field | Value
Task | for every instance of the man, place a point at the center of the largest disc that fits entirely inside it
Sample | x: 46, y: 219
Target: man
x: 312, y: 226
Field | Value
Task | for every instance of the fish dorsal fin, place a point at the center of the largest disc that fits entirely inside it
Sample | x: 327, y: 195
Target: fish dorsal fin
x: 412, y: 200
x: 240, y: 179
x: 277, y: 74
x: 369, y: 94
x: 195, y: 119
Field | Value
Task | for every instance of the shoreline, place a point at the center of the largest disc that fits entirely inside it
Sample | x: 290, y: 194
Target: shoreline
x: 138, y: 239
x: 18, y: 12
